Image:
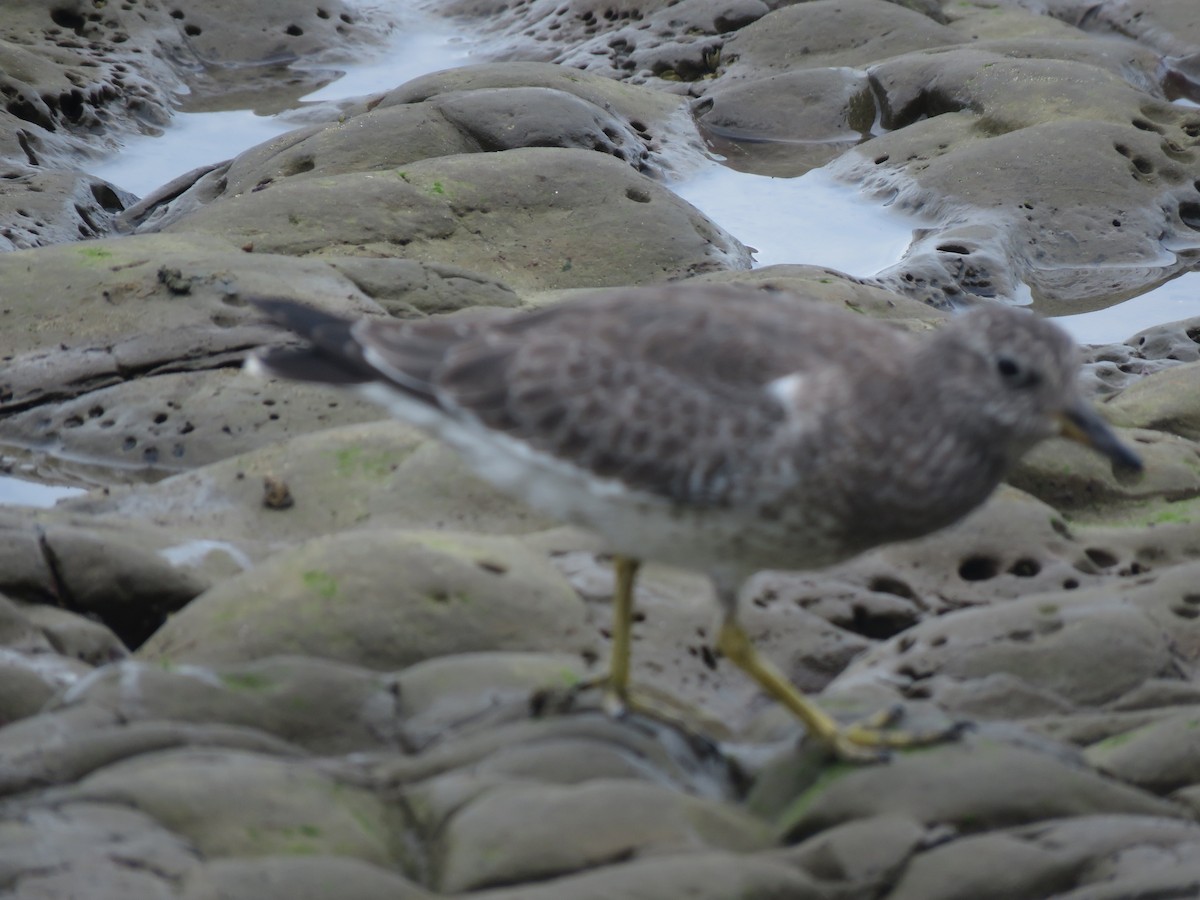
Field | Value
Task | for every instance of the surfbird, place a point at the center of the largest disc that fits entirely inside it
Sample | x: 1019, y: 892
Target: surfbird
x: 725, y: 429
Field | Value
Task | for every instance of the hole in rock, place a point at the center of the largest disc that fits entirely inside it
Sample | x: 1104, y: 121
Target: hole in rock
x: 886, y: 584
x: 1103, y: 558
x: 1025, y: 568
x: 68, y: 18
x: 978, y: 568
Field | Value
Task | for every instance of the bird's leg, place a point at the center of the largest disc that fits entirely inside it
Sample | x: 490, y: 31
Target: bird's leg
x: 866, y: 741
x: 619, y: 696
x: 616, y: 689
x: 615, y: 682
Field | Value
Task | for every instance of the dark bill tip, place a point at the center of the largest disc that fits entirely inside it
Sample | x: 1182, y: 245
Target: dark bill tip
x: 1083, y: 424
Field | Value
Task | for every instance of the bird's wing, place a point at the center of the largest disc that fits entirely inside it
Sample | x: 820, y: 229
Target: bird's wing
x: 661, y: 393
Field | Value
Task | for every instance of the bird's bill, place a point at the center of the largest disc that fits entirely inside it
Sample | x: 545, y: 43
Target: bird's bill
x: 1084, y: 425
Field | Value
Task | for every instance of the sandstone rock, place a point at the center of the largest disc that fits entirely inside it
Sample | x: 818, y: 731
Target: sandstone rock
x: 973, y: 788
x: 228, y: 803
x: 339, y: 598
x: 458, y: 210
x: 578, y: 827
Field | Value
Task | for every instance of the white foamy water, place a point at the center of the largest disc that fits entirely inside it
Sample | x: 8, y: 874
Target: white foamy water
x: 418, y: 46
x: 19, y: 492
x: 817, y: 220
x: 810, y: 219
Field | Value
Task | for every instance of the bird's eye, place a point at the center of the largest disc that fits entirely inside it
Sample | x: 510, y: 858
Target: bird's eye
x: 1014, y: 373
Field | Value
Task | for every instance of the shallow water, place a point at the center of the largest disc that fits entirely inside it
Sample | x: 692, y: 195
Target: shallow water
x: 19, y: 492
x: 418, y: 46
x: 812, y: 219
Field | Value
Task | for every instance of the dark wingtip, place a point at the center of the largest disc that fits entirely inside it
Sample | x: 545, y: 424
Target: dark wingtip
x: 301, y: 318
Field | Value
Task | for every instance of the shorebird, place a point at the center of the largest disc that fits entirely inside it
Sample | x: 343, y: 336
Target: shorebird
x: 724, y: 429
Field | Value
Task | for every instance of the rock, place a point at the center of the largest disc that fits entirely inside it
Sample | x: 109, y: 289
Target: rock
x: 661, y: 43
x: 92, y: 850
x: 785, y: 124
x: 972, y: 788
x: 1159, y: 757
x: 228, y: 803
x: 325, y: 707
x: 1074, y: 131
x: 458, y: 210
x: 703, y: 876
x: 442, y: 694
x: 129, y: 589
x: 1046, y: 644
x: 339, y: 598
x: 473, y: 755
x: 987, y: 866
x: 60, y: 747
x: 287, y: 877
x: 377, y: 475
x: 1163, y: 401
x: 860, y: 857
x: 571, y: 828
x: 830, y: 33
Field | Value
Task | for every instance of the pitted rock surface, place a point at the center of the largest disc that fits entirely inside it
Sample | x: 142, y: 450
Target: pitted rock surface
x: 286, y: 650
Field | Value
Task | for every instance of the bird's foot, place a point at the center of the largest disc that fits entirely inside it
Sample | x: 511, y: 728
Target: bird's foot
x: 874, y: 738
x: 625, y: 702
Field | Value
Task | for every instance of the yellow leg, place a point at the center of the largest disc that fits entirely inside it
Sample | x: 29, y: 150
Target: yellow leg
x: 616, y: 689
x: 863, y: 742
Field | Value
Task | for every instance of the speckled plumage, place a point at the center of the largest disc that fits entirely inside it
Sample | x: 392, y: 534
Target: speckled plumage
x: 800, y: 433
x: 722, y: 428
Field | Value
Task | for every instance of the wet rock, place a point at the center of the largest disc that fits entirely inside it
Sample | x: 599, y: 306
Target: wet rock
x: 830, y: 286
x: 658, y: 42
x: 438, y: 695
x: 1077, y: 481
x: 704, y: 876
x: 1159, y: 757
x: 325, y: 707
x: 228, y: 803
x: 1165, y: 401
x: 760, y: 125
x: 830, y: 33
x: 1047, y: 643
x: 77, y: 76
x: 289, y: 877
x: 225, y: 32
x: 27, y: 682
x: 474, y: 754
x: 987, y: 866
x: 91, y: 850
x: 666, y: 139
x: 973, y: 788
x: 106, y: 360
x: 1120, y: 856
x: 39, y: 208
x: 458, y: 210
x: 339, y: 598
x: 375, y: 475
x: 1080, y: 126
x: 62, y: 746
x: 577, y: 827
x: 128, y: 588
x: 74, y: 636
x: 860, y: 857
x: 473, y: 110
x: 42, y: 651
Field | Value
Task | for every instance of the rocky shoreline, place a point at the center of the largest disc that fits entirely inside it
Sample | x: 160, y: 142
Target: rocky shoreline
x: 285, y: 649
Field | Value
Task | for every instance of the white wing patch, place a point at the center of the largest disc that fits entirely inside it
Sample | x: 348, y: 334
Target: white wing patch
x: 788, y: 390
